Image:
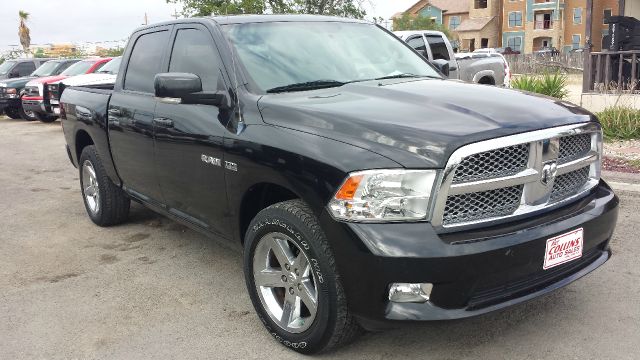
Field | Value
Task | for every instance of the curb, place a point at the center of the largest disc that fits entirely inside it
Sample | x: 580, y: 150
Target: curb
x: 621, y: 186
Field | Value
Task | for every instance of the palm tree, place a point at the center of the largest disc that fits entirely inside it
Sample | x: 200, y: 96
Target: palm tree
x: 23, y: 31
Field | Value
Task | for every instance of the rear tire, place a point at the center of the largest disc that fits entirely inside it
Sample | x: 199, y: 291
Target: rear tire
x: 12, y: 113
x: 46, y: 118
x: 106, y: 203
x: 283, y: 294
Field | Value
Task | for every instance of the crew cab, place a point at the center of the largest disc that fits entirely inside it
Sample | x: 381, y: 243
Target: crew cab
x: 12, y: 90
x: 490, y: 69
x: 365, y: 189
x: 16, y: 68
x: 36, y: 92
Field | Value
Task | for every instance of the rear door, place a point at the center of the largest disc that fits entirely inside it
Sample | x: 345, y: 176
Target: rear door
x: 441, y: 49
x: 418, y: 44
x: 25, y: 68
x: 131, y: 112
x: 189, y: 138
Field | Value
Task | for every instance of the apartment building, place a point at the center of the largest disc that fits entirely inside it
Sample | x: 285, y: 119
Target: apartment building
x: 531, y: 25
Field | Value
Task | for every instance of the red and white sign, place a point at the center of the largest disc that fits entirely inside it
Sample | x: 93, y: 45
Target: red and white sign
x: 563, y: 248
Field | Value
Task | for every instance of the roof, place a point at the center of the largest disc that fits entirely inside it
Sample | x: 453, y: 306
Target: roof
x: 475, y: 24
x: 242, y: 19
x: 450, y: 6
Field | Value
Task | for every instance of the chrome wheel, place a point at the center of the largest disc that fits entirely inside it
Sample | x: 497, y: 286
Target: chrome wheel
x: 285, y: 282
x: 90, y: 187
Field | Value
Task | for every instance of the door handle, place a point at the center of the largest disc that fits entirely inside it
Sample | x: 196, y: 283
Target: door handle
x: 164, y: 122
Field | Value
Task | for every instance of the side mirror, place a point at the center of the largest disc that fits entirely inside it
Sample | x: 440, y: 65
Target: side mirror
x: 14, y: 74
x: 176, y: 85
x: 188, y: 88
x: 442, y: 65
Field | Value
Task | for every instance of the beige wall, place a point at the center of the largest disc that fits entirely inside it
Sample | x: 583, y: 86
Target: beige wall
x: 632, y: 8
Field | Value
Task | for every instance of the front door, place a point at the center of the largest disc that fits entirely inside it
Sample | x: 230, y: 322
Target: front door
x: 189, y: 138
x: 131, y: 116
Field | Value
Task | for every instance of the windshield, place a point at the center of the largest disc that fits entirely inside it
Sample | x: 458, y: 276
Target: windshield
x: 6, y: 66
x: 111, y: 67
x: 46, y: 69
x: 79, y: 68
x: 280, y: 54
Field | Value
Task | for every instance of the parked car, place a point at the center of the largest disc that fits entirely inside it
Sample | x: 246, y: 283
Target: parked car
x: 11, y: 90
x: 36, y: 91
x: 105, y: 77
x: 365, y: 188
x: 16, y: 68
x: 435, y: 46
x: 503, y: 51
x: 547, y: 51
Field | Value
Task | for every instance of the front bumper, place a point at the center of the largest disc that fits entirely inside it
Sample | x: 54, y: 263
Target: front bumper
x: 34, y: 105
x: 473, y: 272
x: 9, y: 103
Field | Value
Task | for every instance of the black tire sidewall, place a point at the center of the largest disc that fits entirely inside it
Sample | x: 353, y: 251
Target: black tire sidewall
x: 278, y: 220
x: 13, y: 113
x: 24, y: 116
x: 46, y: 118
x: 89, y: 153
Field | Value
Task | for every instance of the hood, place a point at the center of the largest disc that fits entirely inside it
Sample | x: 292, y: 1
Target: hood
x: 90, y: 79
x: 417, y: 123
x: 46, y: 79
x: 17, y: 83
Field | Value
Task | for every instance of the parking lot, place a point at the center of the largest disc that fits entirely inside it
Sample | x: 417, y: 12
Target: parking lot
x: 155, y: 289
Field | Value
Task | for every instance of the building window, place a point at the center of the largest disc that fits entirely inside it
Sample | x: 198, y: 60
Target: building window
x: 480, y: 4
x: 515, y: 19
x: 515, y: 43
x: 575, y: 41
x: 577, y: 16
x: 454, y: 22
x: 607, y: 14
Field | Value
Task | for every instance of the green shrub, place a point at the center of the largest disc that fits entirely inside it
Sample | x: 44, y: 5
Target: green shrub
x: 554, y: 85
x: 620, y: 123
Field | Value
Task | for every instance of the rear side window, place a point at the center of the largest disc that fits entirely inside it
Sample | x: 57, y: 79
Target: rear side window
x: 438, y: 47
x: 194, y: 52
x: 63, y: 67
x: 417, y: 43
x: 145, y: 61
x: 25, y: 68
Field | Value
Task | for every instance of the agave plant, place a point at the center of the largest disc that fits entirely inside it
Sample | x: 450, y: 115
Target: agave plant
x: 554, y: 85
x: 23, y: 31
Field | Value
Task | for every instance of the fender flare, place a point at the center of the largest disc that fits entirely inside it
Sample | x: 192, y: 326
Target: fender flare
x: 484, y: 73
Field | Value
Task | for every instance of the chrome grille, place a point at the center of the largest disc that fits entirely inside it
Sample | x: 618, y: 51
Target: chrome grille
x: 492, y: 164
x: 482, y: 205
x: 574, y: 147
x: 569, y: 184
x: 504, y: 178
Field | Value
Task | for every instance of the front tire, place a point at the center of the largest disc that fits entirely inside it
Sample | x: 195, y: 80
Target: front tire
x: 12, y: 113
x: 46, y: 118
x: 27, y: 115
x: 106, y: 203
x: 293, y: 282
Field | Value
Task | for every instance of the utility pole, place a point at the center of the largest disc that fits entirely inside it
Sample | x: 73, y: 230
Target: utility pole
x: 175, y: 14
x: 146, y: 19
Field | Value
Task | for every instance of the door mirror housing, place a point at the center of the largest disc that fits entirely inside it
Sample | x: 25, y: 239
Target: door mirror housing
x: 14, y: 74
x: 442, y: 66
x: 188, y: 88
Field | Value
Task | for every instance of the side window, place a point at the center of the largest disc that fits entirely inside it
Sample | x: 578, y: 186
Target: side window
x: 438, y: 47
x: 194, y: 52
x: 145, y: 61
x: 97, y: 68
x: 63, y: 67
x: 25, y: 68
x: 418, y: 44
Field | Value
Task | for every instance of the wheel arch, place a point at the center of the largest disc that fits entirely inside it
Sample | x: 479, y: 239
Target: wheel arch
x: 486, y: 77
x: 82, y: 140
x: 257, y: 197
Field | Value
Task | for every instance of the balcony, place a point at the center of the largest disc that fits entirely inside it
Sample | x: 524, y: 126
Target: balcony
x: 543, y: 25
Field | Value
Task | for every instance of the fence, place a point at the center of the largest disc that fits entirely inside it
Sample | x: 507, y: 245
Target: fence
x: 545, y: 62
x: 613, y: 71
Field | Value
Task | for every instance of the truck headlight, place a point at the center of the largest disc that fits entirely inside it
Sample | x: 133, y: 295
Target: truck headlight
x: 384, y: 195
x: 11, y: 93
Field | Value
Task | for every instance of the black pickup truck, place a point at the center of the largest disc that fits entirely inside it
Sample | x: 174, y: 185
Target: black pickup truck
x: 365, y: 189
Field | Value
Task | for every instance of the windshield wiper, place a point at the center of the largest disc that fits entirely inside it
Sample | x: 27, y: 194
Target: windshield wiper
x: 309, y: 85
x: 402, y: 76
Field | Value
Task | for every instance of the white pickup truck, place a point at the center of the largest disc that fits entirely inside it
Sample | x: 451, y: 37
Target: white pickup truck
x: 479, y: 68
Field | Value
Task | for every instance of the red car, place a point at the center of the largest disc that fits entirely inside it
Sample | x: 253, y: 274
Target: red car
x: 35, y: 99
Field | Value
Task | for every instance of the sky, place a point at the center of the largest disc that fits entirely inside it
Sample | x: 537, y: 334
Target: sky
x: 77, y: 21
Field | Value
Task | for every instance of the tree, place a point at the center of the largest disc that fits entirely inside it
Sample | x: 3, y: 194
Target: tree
x: 23, y: 31
x: 408, y: 22
x: 345, y: 8
x: 111, y: 52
